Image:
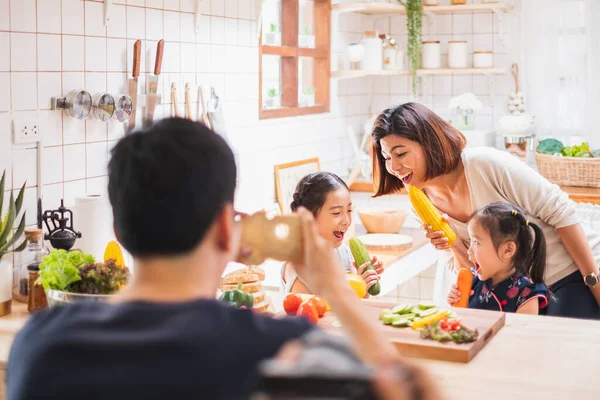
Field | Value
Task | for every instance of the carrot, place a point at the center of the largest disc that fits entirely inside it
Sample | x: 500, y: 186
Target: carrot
x: 464, y: 281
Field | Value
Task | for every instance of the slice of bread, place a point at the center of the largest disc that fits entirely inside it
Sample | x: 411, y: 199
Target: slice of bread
x: 244, y: 277
x: 258, y: 271
x: 259, y: 297
x: 252, y: 287
x: 261, y: 307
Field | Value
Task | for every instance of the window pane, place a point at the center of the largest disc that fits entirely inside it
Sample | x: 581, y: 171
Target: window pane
x: 306, y: 25
x: 271, y: 82
x: 306, y: 88
x: 271, y: 25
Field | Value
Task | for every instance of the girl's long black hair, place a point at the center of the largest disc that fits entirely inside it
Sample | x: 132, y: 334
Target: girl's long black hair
x: 505, y: 223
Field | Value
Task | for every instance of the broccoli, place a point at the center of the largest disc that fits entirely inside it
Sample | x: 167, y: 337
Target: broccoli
x: 550, y: 146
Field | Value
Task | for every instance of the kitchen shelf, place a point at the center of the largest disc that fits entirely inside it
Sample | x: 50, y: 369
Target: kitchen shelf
x: 397, y: 9
x: 349, y: 74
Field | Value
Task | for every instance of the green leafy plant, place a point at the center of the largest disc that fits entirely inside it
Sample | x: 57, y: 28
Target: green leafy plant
x: 8, y: 221
x: 273, y: 28
x: 272, y: 92
x: 59, y: 269
x: 306, y: 30
x: 414, y: 24
x: 308, y: 90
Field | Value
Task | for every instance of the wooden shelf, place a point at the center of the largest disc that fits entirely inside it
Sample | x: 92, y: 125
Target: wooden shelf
x: 349, y: 74
x: 397, y: 9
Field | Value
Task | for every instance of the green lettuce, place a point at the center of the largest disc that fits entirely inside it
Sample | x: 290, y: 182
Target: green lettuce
x: 582, y: 150
x: 60, y: 268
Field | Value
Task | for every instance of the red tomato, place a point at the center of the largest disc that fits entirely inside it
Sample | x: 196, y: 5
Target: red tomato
x: 308, y: 311
x: 455, y: 324
x: 291, y: 302
x: 320, y: 305
x: 444, y: 325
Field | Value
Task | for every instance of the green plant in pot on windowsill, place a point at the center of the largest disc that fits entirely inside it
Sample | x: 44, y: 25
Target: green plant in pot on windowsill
x: 272, y: 36
x: 8, y: 242
x: 308, y: 97
x: 272, y: 99
x: 306, y: 39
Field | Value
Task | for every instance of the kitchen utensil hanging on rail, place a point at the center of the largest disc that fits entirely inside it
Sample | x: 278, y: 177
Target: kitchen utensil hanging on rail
x: 152, y: 97
x: 174, y: 106
x: 133, y: 83
x: 188, y: 103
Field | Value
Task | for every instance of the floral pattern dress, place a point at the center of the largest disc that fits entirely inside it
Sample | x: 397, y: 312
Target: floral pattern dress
x: 508, y: 295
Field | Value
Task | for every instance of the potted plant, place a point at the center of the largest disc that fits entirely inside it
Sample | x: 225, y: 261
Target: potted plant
x: 307, y: 99
x: 414, y: 24
x: 272, y: 36
x: 464, y: 108
x: 8, y: 239
x: 272, y: 100
x: 306, y: 39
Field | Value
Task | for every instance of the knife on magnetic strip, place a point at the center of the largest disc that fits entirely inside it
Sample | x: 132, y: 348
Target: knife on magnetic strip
x: 133, y: 83
x: 153, y: 85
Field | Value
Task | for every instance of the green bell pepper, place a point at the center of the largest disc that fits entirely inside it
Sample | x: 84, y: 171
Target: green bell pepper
x: 237, y: 298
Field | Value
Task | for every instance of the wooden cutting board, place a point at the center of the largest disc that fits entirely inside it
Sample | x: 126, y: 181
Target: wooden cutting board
x: 409, y: 342
x: 386, y: 242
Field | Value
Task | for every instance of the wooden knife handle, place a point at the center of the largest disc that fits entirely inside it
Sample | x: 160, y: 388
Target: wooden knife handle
x: 137, y: 51
x: 188, y: 103
x: 159, y: 57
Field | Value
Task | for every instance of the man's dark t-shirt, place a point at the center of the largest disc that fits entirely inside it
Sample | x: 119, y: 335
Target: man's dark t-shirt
x: 139, y: 350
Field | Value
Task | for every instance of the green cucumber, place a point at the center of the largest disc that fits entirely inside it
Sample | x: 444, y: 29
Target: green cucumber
x: 402, y: 322
x: 425, y: 305
x: 429, y: 311
x: 402, y: 309
x: 388, y: 319
x: 361, y: 256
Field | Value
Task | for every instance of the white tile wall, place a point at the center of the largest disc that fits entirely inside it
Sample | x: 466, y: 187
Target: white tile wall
x: 48, y: 47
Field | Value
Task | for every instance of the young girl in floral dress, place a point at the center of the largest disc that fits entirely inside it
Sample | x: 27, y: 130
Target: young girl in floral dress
x: 509, y: 257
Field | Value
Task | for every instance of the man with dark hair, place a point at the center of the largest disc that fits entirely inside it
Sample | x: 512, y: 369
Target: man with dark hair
x: 165, y: 336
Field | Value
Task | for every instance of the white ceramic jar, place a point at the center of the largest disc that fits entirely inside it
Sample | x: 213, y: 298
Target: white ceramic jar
x: 431, y: 55
x: 483, y: 59
x: 458, y: 54
x: 373, y: 60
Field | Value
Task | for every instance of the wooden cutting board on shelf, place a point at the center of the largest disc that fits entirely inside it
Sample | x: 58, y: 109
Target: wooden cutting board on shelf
x: 410, y: 344
x: 386, y: 242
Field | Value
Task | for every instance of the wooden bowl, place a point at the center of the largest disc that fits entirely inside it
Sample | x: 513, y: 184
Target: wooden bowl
x: 382, y: 220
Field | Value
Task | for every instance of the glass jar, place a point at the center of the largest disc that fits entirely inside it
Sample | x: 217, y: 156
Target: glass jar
x: 431, y: 55
x: 6, y: 272
x: 389, y: 55
x: 31, y: 256
x: 464, y: 119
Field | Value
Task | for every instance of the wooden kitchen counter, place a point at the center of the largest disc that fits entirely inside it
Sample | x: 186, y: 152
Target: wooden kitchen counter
x: 583, y: 194
x: 530, y: 358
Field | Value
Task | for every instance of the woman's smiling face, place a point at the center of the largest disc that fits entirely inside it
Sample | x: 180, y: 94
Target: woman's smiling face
x: 404, y: 159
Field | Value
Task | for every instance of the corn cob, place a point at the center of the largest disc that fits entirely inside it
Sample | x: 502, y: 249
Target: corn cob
x: 360, y: 257
x: 429, y: 214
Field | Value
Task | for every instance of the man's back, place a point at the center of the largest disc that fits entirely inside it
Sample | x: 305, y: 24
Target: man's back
x: 199, y: 349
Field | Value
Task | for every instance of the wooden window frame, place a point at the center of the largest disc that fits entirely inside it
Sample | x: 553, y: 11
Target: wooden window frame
x: 290, y: 54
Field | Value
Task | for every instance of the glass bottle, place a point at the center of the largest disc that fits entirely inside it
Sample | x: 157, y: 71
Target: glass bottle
x: 32, y: 255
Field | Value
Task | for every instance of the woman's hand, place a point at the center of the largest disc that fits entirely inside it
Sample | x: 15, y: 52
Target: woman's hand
x: 437, y: 238
x: 454, y: 295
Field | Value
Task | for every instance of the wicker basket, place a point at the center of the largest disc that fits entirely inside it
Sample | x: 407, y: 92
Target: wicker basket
x: 569, y: 171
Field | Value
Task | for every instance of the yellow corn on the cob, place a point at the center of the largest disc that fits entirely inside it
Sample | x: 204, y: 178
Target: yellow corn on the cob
x: 429, y: 214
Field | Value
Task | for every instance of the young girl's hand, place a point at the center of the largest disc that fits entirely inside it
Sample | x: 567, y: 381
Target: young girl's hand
x: 370, y: 277
x: 375, y: 263
x: 454, y: 294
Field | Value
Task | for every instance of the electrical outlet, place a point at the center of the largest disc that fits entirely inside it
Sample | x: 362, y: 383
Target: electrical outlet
x: 26, y: 131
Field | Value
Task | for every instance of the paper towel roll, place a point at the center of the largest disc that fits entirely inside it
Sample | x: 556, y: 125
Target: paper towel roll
x: 92, y: 216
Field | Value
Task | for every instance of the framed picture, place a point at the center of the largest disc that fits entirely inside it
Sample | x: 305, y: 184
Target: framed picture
x: 287, y: 177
